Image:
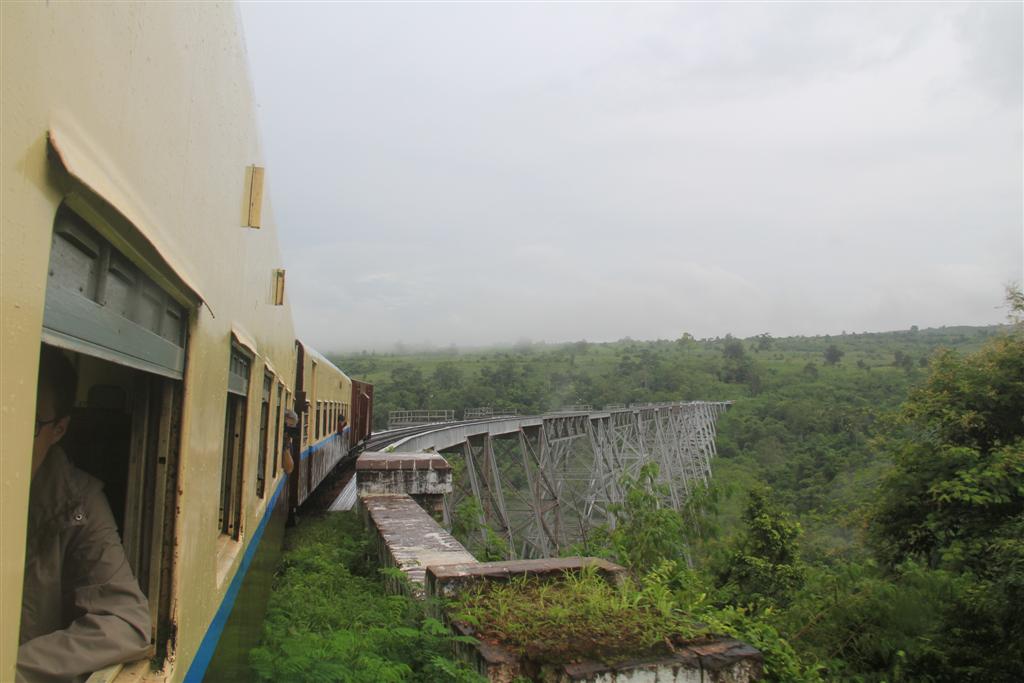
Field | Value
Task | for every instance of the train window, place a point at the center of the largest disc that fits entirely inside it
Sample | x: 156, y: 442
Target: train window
x: 100, y: 303
x: 261, y: 457
x: 234, y: 443
x: 305, y: 428
x: 316, y: 431
x: 312, y: 393
x: 126, y: 337
x: 124, y: 430
x: 278, y: 417
x: 287, y: 404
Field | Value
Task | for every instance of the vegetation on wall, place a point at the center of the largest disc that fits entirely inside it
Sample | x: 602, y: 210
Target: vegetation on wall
x: 577, y: 616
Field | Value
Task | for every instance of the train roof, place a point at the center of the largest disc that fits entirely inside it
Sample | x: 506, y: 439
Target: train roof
x: 320, y: 358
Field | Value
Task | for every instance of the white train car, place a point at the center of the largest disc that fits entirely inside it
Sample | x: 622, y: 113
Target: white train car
x: 136, y: 237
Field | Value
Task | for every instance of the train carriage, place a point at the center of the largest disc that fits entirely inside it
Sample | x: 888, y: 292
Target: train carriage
x: 138, y: 239
x: 324, y: 398
x: 361, y: 418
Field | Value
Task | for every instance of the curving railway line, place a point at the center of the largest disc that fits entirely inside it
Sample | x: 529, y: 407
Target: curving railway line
x: 339, y: 489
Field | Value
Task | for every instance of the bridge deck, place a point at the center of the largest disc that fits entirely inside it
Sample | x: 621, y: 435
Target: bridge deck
x: 412, y: 539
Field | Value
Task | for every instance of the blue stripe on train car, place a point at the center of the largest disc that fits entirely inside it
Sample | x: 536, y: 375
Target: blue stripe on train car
x: 204, y: 654
x: 208, y: 647
x: 317, y: 446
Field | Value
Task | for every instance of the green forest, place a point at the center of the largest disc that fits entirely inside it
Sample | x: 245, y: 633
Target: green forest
x: 866, y: 520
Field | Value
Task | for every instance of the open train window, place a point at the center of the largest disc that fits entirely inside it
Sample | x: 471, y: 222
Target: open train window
x: 278, y: 419
x: 264, y: 445
x: 286, y: 405
x: 126, y: 338
x: 234, y: 443
x: 316, y: 431
x: 304, y: 439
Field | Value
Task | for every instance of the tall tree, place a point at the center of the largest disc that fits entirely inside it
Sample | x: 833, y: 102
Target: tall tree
x: 764, y: 568
x: 833, y: 354
x: 955, y: 500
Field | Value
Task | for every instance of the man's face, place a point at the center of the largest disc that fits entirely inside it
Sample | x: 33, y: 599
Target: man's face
x: 49, y: 430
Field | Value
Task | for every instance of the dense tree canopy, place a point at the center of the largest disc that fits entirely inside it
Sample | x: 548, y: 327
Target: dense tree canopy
x: 959, y: 458
x: 891, y: 546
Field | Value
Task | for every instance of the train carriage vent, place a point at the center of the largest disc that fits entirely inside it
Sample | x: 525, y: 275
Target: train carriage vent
x: 100, y: 303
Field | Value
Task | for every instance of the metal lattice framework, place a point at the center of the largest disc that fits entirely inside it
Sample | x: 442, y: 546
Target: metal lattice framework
x: 542, y: 483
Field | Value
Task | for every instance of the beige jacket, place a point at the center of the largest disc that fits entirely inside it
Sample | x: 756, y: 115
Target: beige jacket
x: 81, y: 608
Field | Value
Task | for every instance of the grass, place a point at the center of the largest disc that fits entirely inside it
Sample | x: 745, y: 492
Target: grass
x: 575, y: 618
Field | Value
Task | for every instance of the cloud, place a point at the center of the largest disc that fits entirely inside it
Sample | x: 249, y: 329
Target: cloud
x: 481, y: 173
x: 991, y: 35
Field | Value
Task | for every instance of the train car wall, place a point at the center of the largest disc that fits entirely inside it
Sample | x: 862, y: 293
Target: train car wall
x: 328, y: 392
x: 142, y: 114
x: 362, y: 410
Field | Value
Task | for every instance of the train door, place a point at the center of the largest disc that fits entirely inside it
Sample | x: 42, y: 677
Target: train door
x: 312, y: 404
x: 125, y: 335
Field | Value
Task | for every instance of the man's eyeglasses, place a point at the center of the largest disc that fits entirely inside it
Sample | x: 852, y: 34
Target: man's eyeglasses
x: 40, y: 423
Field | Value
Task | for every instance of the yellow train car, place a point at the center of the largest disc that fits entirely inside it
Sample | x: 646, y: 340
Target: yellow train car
x: 325, y: 394
x: 137, y: 238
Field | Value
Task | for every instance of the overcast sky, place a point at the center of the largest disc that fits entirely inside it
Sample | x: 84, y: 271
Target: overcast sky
x: 485, y: 173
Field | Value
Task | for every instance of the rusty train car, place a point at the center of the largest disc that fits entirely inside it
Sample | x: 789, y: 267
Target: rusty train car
x: 137, y: 238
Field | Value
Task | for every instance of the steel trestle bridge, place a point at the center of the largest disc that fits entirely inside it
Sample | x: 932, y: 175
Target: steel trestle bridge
x: 542, y: 482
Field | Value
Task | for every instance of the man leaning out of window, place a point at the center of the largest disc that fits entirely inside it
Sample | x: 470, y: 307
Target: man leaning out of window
x: 82, y: 609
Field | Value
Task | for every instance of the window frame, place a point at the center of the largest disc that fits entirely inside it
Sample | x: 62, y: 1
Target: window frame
x: 279, y: 397
x: 233, y: 460
x: 266, y: 396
